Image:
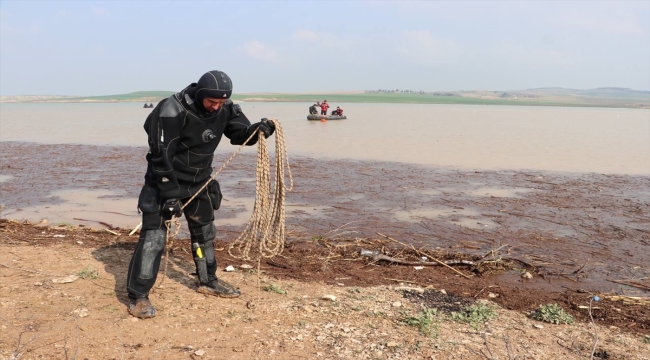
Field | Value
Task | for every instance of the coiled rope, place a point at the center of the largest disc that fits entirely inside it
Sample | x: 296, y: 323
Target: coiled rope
x: 265, y: 228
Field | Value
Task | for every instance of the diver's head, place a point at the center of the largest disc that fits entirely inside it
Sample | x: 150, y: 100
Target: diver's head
x: 213, y: 90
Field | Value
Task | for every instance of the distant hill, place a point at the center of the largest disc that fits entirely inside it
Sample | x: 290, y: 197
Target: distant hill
x: 134, y: 96
x: 600, y: 97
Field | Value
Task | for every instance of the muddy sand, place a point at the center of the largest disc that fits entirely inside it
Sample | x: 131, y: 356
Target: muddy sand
x: 578, y: 235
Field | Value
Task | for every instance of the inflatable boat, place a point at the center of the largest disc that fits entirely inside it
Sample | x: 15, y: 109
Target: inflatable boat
x: 325, y: 117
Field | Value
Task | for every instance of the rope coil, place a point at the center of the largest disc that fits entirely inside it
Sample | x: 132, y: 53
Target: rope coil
x: 265, y: 228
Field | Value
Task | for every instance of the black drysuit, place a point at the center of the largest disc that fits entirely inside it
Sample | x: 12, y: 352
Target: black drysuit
x: 182, y: 141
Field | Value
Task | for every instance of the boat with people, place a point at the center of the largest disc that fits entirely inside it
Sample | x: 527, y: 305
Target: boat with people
x: 335, y: 115
x: 325, y: 117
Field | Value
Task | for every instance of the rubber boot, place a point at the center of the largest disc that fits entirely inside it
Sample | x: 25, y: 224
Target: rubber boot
x: 219, y: 288
x: 142, y: 308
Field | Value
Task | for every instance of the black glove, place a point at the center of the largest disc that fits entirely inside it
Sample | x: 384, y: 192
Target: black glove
x: 266, y: 126
x: 172, y: 207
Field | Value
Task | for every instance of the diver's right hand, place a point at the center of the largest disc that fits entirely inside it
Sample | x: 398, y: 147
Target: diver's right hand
x: 172, y: 207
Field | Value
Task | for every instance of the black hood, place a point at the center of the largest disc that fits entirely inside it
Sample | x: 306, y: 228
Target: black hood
x: 214, y: 84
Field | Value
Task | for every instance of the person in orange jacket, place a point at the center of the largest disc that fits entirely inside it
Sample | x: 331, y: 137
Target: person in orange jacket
x: 323, y: 107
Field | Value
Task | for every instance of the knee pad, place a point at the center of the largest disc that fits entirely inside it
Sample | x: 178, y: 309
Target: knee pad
x: 152, y: 247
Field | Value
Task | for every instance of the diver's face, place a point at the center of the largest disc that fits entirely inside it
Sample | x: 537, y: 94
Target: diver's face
x: 213, y: 105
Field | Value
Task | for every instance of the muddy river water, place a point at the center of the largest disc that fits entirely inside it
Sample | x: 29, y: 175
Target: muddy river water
x: 562, y: 187
x: 615, y: 141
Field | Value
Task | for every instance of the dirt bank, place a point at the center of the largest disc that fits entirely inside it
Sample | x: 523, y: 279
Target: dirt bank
x: 370, y: 316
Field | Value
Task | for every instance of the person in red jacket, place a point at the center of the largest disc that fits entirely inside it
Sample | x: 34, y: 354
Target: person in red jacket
x: 323, y: 107
x: 338, y: 111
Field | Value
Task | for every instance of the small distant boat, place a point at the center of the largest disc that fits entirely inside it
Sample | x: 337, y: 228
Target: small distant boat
x: 325, y: 117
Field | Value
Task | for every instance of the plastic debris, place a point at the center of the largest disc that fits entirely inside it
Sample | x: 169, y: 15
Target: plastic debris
x: 365, y: 252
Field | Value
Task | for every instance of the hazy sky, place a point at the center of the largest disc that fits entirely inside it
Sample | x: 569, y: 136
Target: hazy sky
x: 109, y: 47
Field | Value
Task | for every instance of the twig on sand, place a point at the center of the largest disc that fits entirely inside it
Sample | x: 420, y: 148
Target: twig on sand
x: 29, y: 271
x: 276, y: 264
x: 340, y: 231
x: 404, y: 281
x: 21, y: 349
x: 580, y: 269
x: 424, y: 254
x: 593, y: 349
x: 109, y: 226
x: 76, y: 349
x: 494, y: 251
x: 487, y: 346
x: 136, y: 229
x: 487, y: 287
x: 631, y: 283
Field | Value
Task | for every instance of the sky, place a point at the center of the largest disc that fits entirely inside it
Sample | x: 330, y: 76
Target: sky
x: 106, y: 47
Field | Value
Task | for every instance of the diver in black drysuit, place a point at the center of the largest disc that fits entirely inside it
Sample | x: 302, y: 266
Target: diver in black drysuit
x: 312, y: 110
x: 183, y: 135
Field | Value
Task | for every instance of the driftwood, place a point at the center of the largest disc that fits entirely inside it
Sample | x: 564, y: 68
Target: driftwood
x: 631, y: 283
x: 427, y: 255
x: 109, y: 226
x: 420, y: 263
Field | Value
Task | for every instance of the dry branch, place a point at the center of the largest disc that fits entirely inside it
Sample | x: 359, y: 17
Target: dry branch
x: 427, y: 255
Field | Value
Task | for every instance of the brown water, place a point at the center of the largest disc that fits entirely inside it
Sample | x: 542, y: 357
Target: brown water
x: 453, y: 136
x: 613, y: 141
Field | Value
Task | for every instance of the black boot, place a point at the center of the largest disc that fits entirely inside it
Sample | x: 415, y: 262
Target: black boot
x: 142, y: 308
x: 219, y: 288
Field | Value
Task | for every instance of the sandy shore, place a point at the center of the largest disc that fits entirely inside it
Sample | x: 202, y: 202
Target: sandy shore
x: 62, y: 295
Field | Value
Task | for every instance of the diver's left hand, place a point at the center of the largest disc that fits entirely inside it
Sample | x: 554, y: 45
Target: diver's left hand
x: 267, y: 127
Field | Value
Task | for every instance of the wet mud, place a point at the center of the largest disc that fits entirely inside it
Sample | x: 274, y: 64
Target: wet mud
x: 577, y: 233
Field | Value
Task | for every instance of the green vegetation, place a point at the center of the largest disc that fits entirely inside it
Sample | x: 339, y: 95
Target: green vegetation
x: 134, y: 96
x: 552, y: 313
x: 601, y: 97
x: 88, y: 273
x: 474, y: 315
x: 274, y: 288
x: 425, y: 321
x: 386, y: 98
